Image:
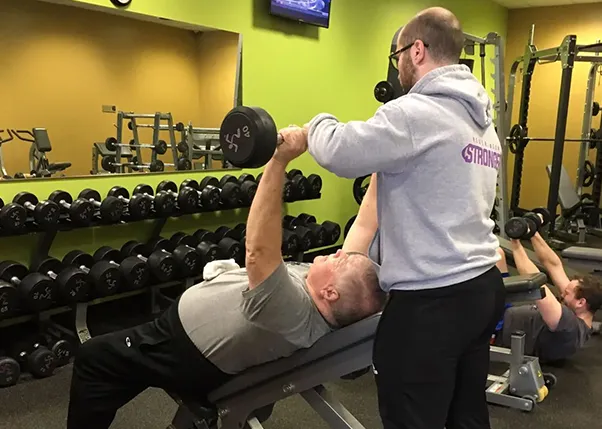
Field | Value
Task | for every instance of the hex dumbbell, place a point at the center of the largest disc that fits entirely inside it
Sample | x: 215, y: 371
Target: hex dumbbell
x: 138, y: 207
x: 164, y: 203
x: 36, y: 291
x: 161, y: 263
x: 230, y: 193
x: 44, y: 213
x: 103, y: 276
x: 209, y: 197
x: 188, y: 260
x: 187, y: 199
x: 13, y: 217
x: 132, y: 269
x: 71, y: 282
x: 80, y: 211
x: 110, y: 209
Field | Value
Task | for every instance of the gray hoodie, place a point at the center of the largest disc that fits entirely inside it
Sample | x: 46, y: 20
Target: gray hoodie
x: 437, y: 156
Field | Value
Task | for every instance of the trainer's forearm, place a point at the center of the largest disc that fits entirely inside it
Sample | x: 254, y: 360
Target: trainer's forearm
x: 264, y: 223
x: 521, y: 259
x: 544, y: 253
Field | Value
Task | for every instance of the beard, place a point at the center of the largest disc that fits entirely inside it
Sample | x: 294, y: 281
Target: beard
x: 407, y: 74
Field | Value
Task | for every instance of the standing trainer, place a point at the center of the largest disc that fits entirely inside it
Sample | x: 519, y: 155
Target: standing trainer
x: 436, y: 155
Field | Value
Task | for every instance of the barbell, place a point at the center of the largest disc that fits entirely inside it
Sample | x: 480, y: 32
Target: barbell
x: 518, y: 135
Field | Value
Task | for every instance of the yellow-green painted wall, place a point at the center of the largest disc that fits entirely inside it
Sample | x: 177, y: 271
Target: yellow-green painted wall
x: 294, y: 71
x: 552, y: 24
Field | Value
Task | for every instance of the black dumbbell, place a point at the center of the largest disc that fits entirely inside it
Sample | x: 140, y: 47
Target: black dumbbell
x: 231, y: 242
x: 164, y: 203
x: 10, y: 371
x: 205, y: 247
x: 62, y: 349
x: 333, y: 230
x: 138, y: 207
x: 132, y: 269
x: 71, y: 282
x: 307, y: 238
x: 541, y: 216
x: 161, y: 263
x: 288, y: 193
x: 230, y: 193
x: 187, y: 199
x: 36, y: 291
x: 44, y: 213
x: 248, y: 188
x: 520, y: 228
x: 12, y: 217
x: 35, y: 359
x: 188, y: 260
x: 318, y: 236
x: 209, y: 197
x: 301, y: 186
x: 110, y: 209
x: 81, y: 212
x: 103, y: 276
x: 9, y: 299
x: 291, y: 243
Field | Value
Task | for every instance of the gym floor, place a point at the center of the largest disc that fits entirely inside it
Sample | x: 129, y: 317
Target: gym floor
x: 573, y: 403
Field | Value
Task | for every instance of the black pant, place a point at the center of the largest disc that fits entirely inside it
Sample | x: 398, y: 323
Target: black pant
x: 431, y: 355
x: 110, y: 370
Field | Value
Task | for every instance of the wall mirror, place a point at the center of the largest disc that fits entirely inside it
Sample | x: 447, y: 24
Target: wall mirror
x: 88, y: 92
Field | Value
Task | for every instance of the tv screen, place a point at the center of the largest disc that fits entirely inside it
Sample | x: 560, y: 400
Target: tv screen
x: 316, y: 12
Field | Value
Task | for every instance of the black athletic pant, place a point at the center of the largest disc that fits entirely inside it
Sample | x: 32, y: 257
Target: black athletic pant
x: 431, y: 355
x: 110, y: 370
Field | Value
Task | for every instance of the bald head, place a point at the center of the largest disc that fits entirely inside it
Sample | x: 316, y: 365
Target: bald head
x: 440, y: 29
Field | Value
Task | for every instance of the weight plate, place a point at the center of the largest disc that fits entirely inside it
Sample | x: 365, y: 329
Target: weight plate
x: 184, y: 164
x: 111, y: 143
x: 588, y: 173
x: 161, y: 147
x: 384, y: 92
x: 517, y: 136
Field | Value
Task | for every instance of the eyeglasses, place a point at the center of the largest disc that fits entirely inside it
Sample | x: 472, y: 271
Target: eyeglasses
x: 394, y: 57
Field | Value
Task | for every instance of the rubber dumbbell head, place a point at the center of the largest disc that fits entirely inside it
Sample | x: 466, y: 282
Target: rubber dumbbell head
x: 133, y: 270
x: 516, y: 228
x: 139, y: 205
x: 545, y: 214
x: 209, y: 252
x: 13, y: 217
x: 315, y: 185
x: 63, y: 351
x: 294, y: 173
x: 182, y: 238
x: 188, y: 259
x: 290, y: 242
x: 164, y: 203
x: 227, y: 178
x: 245, y: 177
x: 301, y: 187
x: 9, y: 299
x: 41, y: 362
x: 202, y: 235
x: 333, y: 232
x: 248, y: 189
x: 187, y: 198
x: 535, y: 219
x: 104, y: 276
x: 10, y: 371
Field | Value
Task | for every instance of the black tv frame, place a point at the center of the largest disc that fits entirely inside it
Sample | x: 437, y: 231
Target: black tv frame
x: 286, y: 14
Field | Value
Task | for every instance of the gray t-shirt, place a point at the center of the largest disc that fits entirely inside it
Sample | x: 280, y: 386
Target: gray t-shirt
x: 237, y: 328
x: 571, y: 334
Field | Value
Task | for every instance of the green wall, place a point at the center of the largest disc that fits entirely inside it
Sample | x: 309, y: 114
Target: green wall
x: 292, y: 70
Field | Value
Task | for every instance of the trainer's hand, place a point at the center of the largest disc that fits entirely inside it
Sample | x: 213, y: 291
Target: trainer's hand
x: 294, y: 144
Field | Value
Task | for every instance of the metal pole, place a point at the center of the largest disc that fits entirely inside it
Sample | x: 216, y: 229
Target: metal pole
x: 568, y: 61
x: 587, y: 125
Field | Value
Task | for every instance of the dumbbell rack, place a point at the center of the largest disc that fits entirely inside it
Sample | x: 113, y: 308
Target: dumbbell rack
x: 192, y: 140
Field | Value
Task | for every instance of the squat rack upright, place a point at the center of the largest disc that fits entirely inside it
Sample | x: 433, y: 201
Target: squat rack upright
x: 567, y: 53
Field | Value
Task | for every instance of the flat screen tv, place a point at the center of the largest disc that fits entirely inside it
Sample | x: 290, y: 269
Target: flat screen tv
x: 315, y: 12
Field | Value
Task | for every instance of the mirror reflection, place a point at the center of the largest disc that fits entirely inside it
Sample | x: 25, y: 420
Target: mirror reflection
x: 130, y: 93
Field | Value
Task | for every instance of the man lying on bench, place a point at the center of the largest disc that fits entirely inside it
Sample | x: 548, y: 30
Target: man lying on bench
x: 554, y: 330
x: 240, y: 319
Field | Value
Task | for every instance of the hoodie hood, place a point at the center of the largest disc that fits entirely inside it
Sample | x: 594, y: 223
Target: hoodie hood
x: 457, y: 82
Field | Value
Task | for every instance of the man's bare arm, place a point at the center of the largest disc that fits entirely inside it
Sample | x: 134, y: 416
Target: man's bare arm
x: 551, y: 261
x: 364, y: 228
x: 549, y: 307
x: 264, y: 225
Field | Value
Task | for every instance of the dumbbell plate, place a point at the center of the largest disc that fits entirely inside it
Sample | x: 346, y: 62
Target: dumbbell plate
x: 333, y: 232
x: 41, y: 363
x: 232, y: 249
x: 164, y: 204
x: 516, y: 227
x: 63, y: 351
x: 209, y: 252
x: 9, y: 300
x: 73, y: 284
x: 105, y: 278
x: 162, y: 265
x: 202, y: 235
x: 10, y: 371
x: 58, y: 196
x: 189, y: 261
x: 13, y: 217
x: 135, y: 272
x: 209, y: 181
x: 37, y: 292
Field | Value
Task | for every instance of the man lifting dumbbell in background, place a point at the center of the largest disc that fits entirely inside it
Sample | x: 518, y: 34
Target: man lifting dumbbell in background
x: 554, y: 330
x: 436, y: 154
x: 242, y: 318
